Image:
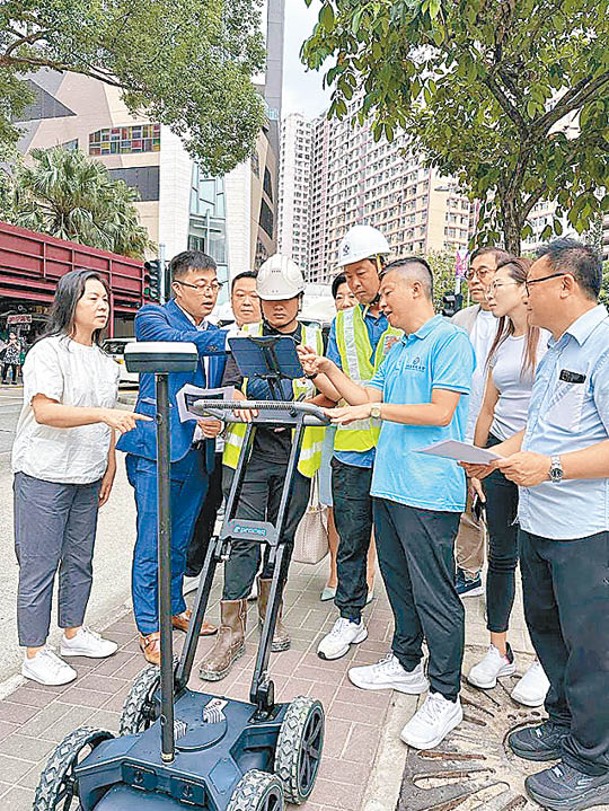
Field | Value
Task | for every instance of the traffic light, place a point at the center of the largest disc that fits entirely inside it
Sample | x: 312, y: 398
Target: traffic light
x: 152, y: 280
x: 451, y: 303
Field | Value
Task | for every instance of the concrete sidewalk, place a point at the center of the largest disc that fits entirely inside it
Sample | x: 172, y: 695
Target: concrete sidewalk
x: 363, y: 760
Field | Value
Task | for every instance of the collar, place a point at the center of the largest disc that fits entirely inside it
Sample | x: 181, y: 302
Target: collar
x: 202, y: 326
x: 365, y: 308
x: 423, y: 331
x: 584, y: 326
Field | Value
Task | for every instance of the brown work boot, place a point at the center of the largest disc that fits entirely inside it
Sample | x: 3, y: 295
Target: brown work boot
x: 281, y: 638
x: 181, y: 621
x: 150, y: 645
x: 230, y: 644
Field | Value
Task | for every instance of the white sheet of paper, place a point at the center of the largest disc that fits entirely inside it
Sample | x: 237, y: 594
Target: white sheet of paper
x: 201, y: 394
x: 461, y: 452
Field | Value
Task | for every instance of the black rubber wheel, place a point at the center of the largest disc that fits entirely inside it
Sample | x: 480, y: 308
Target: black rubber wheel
x: 58, y: 788
x: 299, y: 747
x: 257, y: 791
x: 140, y: 709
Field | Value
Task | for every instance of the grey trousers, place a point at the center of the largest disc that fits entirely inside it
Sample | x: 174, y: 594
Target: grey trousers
x: 55, y: 528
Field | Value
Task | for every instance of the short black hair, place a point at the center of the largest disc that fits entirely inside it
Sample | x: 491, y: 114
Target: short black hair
x: 500, y: 254
x: 410, y: 261
x: 581, y: 261
x: 336, y: 283
x: 245, y: 274
x: 190, y: 260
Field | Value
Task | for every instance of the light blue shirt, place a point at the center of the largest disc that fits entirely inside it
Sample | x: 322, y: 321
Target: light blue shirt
x: 438, y: 356
x: 376, y: 326
x: 570, y: 416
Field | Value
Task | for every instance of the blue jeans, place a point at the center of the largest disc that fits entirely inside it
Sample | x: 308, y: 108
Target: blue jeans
x: 188, y: 485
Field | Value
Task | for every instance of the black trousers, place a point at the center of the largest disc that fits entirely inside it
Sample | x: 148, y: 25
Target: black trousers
x: 501, y: 511
x: 259, y: 501
x: 416, y: 555
x: 353, y: 519
x: 566, y: 605
x: 206, y: 521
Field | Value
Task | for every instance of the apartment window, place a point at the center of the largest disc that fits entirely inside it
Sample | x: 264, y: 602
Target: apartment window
x: 125, y: 140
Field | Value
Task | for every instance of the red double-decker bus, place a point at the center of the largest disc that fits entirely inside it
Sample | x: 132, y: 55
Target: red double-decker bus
x: 30, y: 265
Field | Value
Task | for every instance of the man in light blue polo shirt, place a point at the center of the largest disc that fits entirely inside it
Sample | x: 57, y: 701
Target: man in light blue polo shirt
x: 561, y: 464
x: 420, y: 393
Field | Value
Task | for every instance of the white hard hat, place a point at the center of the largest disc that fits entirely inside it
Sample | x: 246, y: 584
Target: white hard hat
x: 279, y: 278
x: 361, y: 242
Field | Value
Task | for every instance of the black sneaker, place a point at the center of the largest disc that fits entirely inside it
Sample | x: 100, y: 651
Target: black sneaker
x: 563, y: 788
x: 543, y: 742
x: 468, y: 586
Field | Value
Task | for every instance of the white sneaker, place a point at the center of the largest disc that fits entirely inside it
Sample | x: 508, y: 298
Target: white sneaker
x: 532, y: 688
x: 343, y: 634
x: 47, y: 668
x: 494, y: 665
x: 87, y: 643
x: 432, y: 723
x: 388, y: 674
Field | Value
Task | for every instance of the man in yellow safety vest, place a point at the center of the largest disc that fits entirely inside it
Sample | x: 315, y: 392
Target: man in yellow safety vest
x: 280, y: 287
x: 359, y: 340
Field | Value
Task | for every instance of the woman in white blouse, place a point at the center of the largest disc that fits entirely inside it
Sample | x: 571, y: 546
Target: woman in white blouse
x: 511, y: 365
x: 64, y: 466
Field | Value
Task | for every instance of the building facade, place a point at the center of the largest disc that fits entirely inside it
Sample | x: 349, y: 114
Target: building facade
x: 294, y: 213
x: 350, y: 179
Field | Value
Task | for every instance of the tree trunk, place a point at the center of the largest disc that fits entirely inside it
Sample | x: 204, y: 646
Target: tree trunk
x: 512, y: 222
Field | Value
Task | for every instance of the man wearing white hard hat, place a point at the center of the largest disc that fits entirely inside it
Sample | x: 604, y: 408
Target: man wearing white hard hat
x: 280, y: 287
x: 359, y: 340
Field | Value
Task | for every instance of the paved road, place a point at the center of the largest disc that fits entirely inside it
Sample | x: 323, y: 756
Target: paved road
x: 112, y: 560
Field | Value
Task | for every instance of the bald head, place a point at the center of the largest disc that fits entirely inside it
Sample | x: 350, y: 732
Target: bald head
x: 412, y: 269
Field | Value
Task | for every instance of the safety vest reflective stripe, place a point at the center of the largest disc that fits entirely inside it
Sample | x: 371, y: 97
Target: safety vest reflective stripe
x: 312, y: 442
x: 355, y: 352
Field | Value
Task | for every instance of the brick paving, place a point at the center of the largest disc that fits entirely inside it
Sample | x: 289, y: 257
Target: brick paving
x: 34, y: 718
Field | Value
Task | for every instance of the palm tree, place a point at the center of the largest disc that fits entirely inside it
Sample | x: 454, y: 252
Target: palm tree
x: 67, y: 195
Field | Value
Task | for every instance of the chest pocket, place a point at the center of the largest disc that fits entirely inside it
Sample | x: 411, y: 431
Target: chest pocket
x: 566, y: 405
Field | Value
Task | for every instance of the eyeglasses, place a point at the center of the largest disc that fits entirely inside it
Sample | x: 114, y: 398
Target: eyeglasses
x: 481, y: 273
x: 498, y: 285
x: 530, y: 282
x: 214, y: 287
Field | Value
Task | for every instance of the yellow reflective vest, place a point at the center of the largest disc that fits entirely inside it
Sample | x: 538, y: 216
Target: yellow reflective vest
x: 310, y: 450
x: 355, y: 352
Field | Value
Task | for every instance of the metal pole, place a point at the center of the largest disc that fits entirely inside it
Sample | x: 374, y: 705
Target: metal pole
x: 164, y: 539
x: 162, y: 281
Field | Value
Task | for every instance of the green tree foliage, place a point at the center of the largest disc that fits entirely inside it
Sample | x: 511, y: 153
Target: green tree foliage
x: 485, y: 87
x: 442, y: 264
x: 67, y: 195
x: 188, y: 63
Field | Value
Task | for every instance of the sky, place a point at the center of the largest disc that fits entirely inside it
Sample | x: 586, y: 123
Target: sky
x: 302, y: 89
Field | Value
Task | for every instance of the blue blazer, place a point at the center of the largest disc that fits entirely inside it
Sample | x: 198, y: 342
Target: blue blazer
x: 169, y: 323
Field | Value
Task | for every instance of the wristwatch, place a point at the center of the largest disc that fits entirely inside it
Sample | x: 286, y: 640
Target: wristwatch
x: 556, y: 472
x: 375, y: 411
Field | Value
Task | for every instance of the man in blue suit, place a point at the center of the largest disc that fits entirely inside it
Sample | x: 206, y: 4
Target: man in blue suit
x: 195, y: 289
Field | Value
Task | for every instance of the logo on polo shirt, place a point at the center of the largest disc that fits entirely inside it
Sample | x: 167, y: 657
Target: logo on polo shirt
x: 414, y: 365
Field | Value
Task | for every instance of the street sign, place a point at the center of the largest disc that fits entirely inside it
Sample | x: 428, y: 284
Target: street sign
x: 12, y: 320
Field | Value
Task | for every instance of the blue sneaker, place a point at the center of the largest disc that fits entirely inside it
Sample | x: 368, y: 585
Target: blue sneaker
x: 468, y: 586
x: 563, y: 788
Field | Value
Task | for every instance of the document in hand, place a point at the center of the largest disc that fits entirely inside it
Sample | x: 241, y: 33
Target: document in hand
x: 189, y: 394
x: 461, y: 452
